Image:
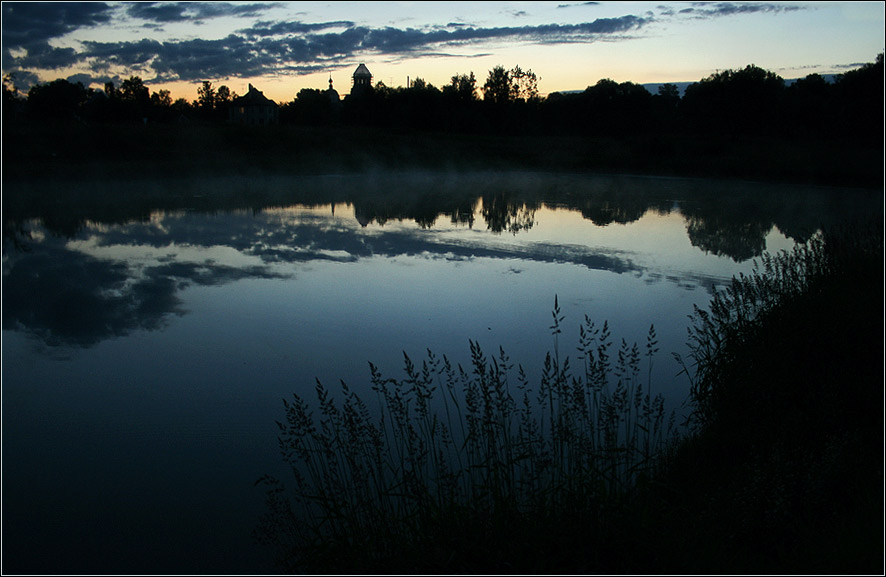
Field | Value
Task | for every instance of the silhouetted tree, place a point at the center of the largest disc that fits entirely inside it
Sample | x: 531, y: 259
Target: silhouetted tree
x: 497, y: 88
x: 57, y: 100
x: 223, y: 95
x: 669, y: 93
x: 206, y: 97
x: 524, y: 84
x: 614, y: 109
x: 511, y: 99
x: 310, y: 107
x: 418, y: 107
x: 460, y: 105
x: 133, y: 89
x: 745, y: 101
x: 665, y: 107
x: 135, y: 96
x: 381, y: 90
x: 807, y: 105
x: 223, y: 99
x: 13, y: 101
x: 463, y: 87
x: 860, y: 96
x: 161, y: 106
x: 161, y: 99
x: 182, y: 108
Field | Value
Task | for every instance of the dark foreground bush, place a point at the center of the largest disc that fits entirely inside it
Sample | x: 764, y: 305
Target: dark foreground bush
x: 785, y: 473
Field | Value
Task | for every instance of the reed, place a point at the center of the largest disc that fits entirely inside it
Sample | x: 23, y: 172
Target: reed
x: 451, y: 455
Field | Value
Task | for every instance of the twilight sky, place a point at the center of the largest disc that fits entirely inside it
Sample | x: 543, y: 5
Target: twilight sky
x: 282, y: 47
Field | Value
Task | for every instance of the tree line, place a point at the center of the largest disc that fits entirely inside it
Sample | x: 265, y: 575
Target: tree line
x: 750, y: 101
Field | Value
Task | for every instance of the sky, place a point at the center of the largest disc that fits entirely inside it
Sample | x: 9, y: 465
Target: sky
x: 282, y: 47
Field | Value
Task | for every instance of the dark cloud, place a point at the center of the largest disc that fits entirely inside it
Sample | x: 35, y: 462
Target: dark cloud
x: 232, y: 56
x: 574, y: 4
x: 267, y: 46
x: 33, y: 24
x: 718, y: 9
x: 43, y: 56
x: 158, y: 12
x: 851, y: 66
x: 124, y: 53
x: 395, y: 40
x: 295, y: 46
x: 23, y: 80
x: 282, y: 28
x: 164, y: 12
x: 89, y: 79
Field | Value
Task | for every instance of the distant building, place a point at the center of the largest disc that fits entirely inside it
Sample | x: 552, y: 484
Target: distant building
x: 254, y: 108
x: 332, y: 94
x: 362, y: 80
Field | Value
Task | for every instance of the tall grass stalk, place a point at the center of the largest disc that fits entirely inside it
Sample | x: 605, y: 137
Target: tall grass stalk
x: 452, y: 447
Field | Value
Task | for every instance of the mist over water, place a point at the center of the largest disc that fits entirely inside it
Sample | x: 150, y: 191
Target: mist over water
x: 151, y: 328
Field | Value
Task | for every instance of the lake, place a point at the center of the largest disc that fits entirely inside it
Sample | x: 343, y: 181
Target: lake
x: 151, y: 328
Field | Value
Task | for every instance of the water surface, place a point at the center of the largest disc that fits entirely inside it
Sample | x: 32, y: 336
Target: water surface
x: 151, y: 328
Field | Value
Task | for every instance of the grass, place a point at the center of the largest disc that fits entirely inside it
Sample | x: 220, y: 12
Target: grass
x: 455, y: 460
x: 479, y: 471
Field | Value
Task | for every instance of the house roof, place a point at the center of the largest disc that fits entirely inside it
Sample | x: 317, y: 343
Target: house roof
x: 253, y: 97
x: 362, y: 71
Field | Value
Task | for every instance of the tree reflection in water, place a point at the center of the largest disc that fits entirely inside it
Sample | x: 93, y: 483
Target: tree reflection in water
x: 69, y: 296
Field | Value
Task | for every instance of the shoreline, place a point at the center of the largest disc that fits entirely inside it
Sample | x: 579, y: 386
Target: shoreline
x: 76, y: 152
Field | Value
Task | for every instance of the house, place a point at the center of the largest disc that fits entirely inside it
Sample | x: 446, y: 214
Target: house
x: 254, y: 108
x: 362, y: 81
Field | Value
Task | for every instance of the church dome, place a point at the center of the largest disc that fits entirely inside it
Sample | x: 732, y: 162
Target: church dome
x: 332, y: 93
x: 362, y: 72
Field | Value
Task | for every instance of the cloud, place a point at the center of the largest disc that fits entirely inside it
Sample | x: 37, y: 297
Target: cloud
x: 124, y: 53
x: 574, y: 4
x: 851, y: 66
x: 30, y: 24
x: 704, y: 10
x: 164, y: 12
x: 266, y: 47
x: 276, y: 47
x: 88, y: 79
x: 24, y: 80
x: 43, y: 56
x: 279, y: 46
x: 158, y: 12
x: 293, y: 27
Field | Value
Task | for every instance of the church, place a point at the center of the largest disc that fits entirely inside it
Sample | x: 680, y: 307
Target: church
x: 361, y: 83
